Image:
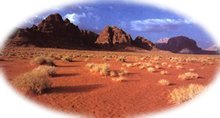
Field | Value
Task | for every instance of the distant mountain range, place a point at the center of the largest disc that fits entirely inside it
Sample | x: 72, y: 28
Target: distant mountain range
x: 54, y: 32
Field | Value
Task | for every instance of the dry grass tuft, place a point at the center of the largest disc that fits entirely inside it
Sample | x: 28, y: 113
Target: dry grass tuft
x: 164, y: 82
x: 48, y: 70
x: 188, y: 76
x: 128, y: 65
x: 36, y: 80
x: 103, y: 69
x: 151, y: 69
x: 191, y: 69
x: 163, y: 72
x: 169, y: 66
x: 43, y: 61
x: 179, y: 67
x: 164, y: 63
x: 67, y: 58
x: 119, y: 79
x: 157, y: 66
x: 182, y: 94
x: 121, y: 59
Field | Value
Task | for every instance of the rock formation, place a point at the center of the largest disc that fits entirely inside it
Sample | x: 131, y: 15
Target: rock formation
x: 179, y: 44
x: 53, y: 32
x: 143, y: 43
x: 112, y: 36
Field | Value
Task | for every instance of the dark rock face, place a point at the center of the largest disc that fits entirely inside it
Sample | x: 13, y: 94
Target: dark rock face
x: 53, y: 32
x: 88, y: 38
x: 179, y: 44
x: 112, y: 36
x: 143, y: 43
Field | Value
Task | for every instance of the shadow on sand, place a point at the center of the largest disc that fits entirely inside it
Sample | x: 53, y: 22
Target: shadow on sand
x: 73, y: 89
x: 66, y: 75
x: 67, y: 66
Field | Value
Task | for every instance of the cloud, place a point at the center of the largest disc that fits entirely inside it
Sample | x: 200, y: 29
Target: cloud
x: 157, y: 25
x: 75, y: 18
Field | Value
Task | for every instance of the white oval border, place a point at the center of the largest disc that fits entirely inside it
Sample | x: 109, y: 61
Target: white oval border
x: 204, y: 12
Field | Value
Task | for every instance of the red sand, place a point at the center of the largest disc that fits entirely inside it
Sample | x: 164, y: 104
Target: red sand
x: 76, y: 90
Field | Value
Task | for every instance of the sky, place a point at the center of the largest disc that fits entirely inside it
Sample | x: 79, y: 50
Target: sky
x: 137, y: 20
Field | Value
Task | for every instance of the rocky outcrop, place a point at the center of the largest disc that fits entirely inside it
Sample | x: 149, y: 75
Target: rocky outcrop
x: 183, y: 45
x: 143, y: 43
x: 179, y: 44
x: 53, y: 32
x: 113, y: 37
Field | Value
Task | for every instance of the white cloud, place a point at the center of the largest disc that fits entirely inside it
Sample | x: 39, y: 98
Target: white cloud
x: 157, y: 25
x: 75, y: 18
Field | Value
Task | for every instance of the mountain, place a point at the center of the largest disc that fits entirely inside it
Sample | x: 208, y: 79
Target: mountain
x: 113, y: 37
x: 183, y: 45
x: 143, y: 43
x: 53, y: 32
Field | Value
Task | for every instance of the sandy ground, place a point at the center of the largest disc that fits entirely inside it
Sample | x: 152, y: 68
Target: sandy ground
x: 76, y: 90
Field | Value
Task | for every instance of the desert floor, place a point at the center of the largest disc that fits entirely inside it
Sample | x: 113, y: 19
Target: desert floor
x: 77, y: 90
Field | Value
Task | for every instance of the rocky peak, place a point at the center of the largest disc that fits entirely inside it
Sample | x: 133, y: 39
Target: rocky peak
x: 52, y: 24
x: 143, y: 43
x: 112, y: 36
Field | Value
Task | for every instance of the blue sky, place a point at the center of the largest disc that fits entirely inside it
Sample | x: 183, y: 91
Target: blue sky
x: 151, y: 22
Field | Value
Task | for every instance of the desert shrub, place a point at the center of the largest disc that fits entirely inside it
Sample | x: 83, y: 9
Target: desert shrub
x: 188, y: 76
x: 137, y: 64
x: 48, y: 70
x: 163, y: 72
x: 86, y: 59
x: 151, y: 69
x: 103, y: 69
x: 169, y: 66
x: 122, y: 72
x: 141, y: 67
x: 34, y: 81
x: 182, y: 94
x: 67, y: 58
x: 113, y: 73
x: 156, y: 58
x: 105, y: 58
x: 179, y: 67
x: 191, y: 59
x: 157, y: 66
x: 148, y: 64
x: 164, y: 63
x: 127, y: 65
x: 164, y: 82
x: 58, y: 57
x: 118, y: 79
x: 43, y: 61
x: 191, y: 70
x: 143, y: 58
x: 121, y: 59
x: 90, y: 65
x: 175, y: 59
